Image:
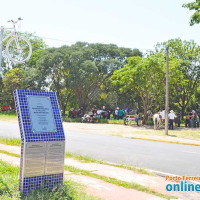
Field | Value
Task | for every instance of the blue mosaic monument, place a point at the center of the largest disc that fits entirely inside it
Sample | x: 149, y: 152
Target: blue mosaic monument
x: 42, y: 140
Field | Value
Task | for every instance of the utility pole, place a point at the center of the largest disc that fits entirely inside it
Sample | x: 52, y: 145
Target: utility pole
x: 167, y: 92
x: 1, y: 48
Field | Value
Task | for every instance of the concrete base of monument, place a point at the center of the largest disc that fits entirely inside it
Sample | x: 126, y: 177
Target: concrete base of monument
x: 106, y: 190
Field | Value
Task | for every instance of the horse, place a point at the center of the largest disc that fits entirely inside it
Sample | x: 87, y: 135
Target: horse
x: 157, y: 121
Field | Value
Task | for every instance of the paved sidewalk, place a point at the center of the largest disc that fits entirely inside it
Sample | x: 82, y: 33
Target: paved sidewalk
x: 155, y: 183
x: 96, y: 187
x: 108, y: 191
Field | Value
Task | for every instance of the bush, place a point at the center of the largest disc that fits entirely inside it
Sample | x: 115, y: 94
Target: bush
x: 149, y: 122
x: 11, y: 112
x: 9, y: 184
x: 67, y: 119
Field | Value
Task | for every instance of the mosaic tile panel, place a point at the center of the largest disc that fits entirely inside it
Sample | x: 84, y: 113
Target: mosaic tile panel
x: 27, y: 135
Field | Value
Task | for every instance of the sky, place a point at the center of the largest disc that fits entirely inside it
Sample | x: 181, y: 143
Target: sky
x: 128, y: 23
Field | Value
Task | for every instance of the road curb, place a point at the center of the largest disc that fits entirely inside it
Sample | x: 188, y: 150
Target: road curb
x: 165, y: 141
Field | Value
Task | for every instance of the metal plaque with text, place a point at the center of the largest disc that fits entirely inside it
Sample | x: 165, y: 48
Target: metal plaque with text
x: 41, y: 114
x: 55, y: 155
x: 34, y: 159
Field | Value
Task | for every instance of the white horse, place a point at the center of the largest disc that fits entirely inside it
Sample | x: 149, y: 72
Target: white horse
x: 157, y: 121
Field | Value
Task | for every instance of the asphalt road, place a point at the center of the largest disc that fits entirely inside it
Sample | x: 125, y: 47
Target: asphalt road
x: 169, y: 158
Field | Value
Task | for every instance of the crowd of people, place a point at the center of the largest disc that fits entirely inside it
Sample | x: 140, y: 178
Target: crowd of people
x: 191, y: 118
x: 102, y: 113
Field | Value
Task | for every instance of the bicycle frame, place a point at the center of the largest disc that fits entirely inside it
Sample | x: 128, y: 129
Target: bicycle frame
x: 13, y: 37
x: 13, y: 33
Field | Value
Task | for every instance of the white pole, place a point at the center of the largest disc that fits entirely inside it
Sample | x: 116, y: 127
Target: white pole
x: 167, y: 93
x: 1, y: 48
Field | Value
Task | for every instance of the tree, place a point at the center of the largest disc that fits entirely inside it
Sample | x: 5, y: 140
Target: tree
x: 195, y: 18
x: 52, y: 74
x: 185, y: 76
x: 143, y: 76
x: 12, y: 80
x: 83, y: 69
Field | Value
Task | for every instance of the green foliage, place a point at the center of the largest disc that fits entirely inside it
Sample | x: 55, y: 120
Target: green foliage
x: 12, y: 80
x: 8, y: 115
x: 86, y: 159
x: 149, y: 122
x: 194, y: 6
x: 66, y: 119
x: 8, y: 181
x: 9, y: 154
x: 91, y: 75
x: 184, y: 73
x: 13, y: 141
x: 9, y: 185
x: 142, y: 76
x: 115, y: 181
x: 78, y: 72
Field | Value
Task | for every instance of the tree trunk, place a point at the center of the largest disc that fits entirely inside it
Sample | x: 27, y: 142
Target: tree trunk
x: 145, y: 116
x: 63, y: 107
x: 182, y: 111
x: 183, y: 108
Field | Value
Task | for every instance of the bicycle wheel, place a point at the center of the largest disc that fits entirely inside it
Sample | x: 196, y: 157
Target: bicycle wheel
x: 19, y: 55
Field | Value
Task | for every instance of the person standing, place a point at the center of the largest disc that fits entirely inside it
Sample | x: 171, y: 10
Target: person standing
x: 120, y: 113
x: 108, y: 114
x: 117, y: 113
x: 171, y: 119
x: 179, y: 118
x: 190, y: 119
x: 127, y: 110
x: 187, y: 120
x: 195, y: 120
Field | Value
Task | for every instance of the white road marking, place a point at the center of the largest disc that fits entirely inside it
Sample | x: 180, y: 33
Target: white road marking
x: 191, y: 152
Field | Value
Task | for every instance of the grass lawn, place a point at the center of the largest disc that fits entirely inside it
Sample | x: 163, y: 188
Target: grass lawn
x: 9, y: 183
x: 118, y: 182
x: 192, y: 133
x: 67, y: 190
x: 8, y: 116
x: 85, y: 159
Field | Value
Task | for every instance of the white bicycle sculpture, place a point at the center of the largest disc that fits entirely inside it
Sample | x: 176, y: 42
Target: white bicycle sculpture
x: 18, y: 48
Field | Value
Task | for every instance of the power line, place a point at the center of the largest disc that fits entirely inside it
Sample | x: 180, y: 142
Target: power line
x: 65, y: 41
x: 46, y: 38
